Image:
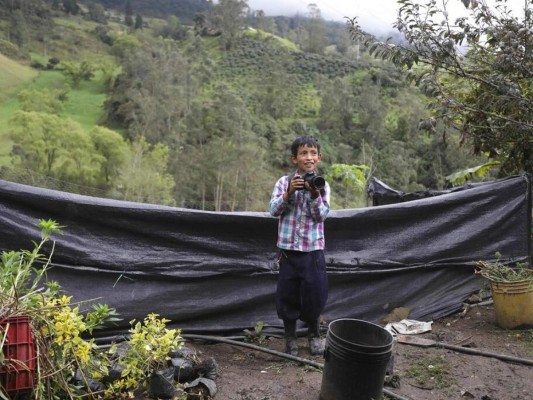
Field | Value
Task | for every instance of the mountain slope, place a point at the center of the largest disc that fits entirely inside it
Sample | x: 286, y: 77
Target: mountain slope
x: 12, y: 74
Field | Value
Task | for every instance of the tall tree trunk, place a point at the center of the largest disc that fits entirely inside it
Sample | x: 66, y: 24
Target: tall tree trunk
x: 234, y: 201
x: 218, y: 191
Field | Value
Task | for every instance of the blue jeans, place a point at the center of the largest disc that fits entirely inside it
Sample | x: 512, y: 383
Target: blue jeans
x: 302, y: 289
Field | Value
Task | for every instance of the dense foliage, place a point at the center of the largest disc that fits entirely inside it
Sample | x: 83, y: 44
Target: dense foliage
x: 477, y: 70
x: 186, y: 9
x: 68, y: 363
x: 201, y: 115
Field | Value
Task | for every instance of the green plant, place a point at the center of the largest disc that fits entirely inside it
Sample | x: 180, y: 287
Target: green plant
x: 20, y: 278
x: 68, y: 360
x: 58, y: 326
x: 147, y: 351
x: 480, y: 171
x: 64, y: 353
x: 430, y: 372
x: 499, y: 272
x: 256, y: 335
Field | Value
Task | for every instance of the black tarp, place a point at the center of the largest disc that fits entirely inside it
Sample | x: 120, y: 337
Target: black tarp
x: 382, y: 194
x: 212, y: 272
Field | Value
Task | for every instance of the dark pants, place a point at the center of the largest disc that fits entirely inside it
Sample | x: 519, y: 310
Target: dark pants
x: 302, y: 289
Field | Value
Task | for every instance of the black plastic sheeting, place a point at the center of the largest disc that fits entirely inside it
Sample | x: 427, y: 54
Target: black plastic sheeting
x: 382, y: 194
x: 213, y: 272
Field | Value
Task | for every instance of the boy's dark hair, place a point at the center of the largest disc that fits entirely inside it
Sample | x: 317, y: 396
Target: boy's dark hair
x: 306, y: 140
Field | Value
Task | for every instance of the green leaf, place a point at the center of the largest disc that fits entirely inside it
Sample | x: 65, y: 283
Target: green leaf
x: 467, y: 174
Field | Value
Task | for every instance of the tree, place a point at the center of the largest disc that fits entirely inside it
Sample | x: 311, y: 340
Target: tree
x: 260, y: 20
x: 228, y: 17
x: 152, y: 93
x: 128, y: 13
x: 200, y: 23
x: 18, y: 30
x: 276, y: 91
x: 41, y: 101
x: 112, y: 148
x: 476, y: 70
x: 44, y: 30
x: 138, y: 21
x: 125, y: 45
x: 200, y: 70
x: 52, y: 146
x: 352, y: 179
x: 395, y: 162
x: 172, y: 28
x: 144, y: 177
x: 315, y: 30
x: 71, y: 7
x: 337, y: 106
x: 97, y: 12
x: 75, y: 73
x: 222, y: 165
x: 371, y: 113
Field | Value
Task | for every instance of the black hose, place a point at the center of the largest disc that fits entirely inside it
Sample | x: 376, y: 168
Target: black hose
x: 476, y: 352
x: 255, y: 347
x: 273, y: 352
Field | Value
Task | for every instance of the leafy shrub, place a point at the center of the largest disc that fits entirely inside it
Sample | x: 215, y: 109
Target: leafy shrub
x: 499, y: 272
x: 37, y: 65
x: 12, y: 51
x: 57, y: 324
x: 69, y: 365
x: 147, y: 352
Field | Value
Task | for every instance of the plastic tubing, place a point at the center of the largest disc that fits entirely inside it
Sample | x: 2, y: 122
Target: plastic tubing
x: 273, y: 352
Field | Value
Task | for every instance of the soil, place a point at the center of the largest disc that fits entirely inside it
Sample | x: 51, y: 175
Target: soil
x: 418, y: 373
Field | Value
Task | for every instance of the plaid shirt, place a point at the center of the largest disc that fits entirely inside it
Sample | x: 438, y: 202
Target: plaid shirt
x: 301, y: 219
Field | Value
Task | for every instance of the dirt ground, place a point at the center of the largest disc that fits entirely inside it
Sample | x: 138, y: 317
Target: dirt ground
x: 418, y: 372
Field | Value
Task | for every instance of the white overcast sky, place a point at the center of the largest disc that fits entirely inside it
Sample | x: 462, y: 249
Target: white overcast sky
x: 379, y: 14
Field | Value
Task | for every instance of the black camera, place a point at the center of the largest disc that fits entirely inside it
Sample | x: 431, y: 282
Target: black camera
x: 314, y: 180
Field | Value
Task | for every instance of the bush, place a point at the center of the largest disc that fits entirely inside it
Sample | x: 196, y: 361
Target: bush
x: 37, y: 65
x: 57, y: 324
x: 12, y: 51
x: 71, y: 366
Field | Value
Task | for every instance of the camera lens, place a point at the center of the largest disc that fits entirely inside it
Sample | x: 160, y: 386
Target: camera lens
x: 318, y: 182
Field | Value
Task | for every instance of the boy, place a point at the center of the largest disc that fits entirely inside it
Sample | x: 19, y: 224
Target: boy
x: 302, y: 288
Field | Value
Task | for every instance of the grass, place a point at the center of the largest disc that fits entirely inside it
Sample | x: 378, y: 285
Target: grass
x: 282, y: 41
x: 527, y: 337
x: 12, y: 75
x: 84, y: 104
x: 430, y: 372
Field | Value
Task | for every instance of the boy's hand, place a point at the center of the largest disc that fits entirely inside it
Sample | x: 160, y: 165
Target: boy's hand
x: 314, y: 192
x: 296, y: 183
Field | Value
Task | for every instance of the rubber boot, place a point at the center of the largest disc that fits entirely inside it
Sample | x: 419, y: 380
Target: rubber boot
x: 290, y: 337
x: 316, y: 345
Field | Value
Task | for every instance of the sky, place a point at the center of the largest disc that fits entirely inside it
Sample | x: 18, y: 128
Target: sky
x: 372, y: 14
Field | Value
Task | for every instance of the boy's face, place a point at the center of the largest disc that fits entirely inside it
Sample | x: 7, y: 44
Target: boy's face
x: 306, y: 158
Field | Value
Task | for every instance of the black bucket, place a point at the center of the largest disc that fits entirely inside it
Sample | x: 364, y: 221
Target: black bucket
x: 356, y: 357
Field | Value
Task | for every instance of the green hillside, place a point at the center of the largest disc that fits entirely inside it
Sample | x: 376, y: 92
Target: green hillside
x: 84, y: 104
x: 190, y: 108
x: 13, y: 74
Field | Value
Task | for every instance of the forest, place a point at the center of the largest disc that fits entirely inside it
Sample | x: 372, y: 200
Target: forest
x: 194, y: 104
